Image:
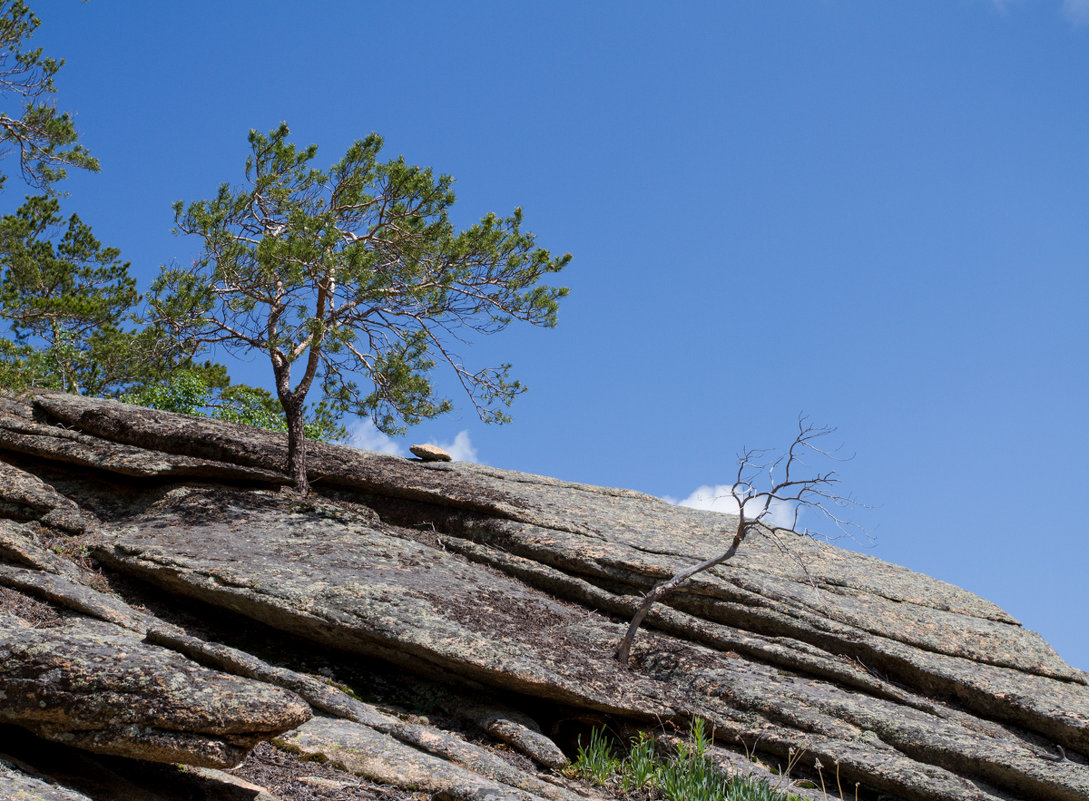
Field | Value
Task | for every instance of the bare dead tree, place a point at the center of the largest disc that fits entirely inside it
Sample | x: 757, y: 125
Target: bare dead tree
x: 798, y: 487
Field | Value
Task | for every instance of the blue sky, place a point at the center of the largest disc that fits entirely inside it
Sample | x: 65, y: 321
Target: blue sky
x: 872, y: 213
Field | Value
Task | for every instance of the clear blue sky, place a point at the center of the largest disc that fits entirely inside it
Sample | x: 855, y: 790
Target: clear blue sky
x: 874, y: 213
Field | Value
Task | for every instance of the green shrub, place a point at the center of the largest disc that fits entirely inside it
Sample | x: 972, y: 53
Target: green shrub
x: 190, y: 392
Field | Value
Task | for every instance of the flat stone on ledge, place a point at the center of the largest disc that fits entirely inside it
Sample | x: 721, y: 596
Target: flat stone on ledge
x: 430, y: 453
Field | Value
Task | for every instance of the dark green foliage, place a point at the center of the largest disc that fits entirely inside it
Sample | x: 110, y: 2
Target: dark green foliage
x: 13, y: 361
x: 67, y: 300
x: 65, y: 297
x: 29, y: 122
x: 197, y: 391
x: 69, y: 306
x: 354, y: 277
x: 69, y: 303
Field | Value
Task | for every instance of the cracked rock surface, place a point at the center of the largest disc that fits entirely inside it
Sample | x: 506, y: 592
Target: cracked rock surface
x: 451, y: 626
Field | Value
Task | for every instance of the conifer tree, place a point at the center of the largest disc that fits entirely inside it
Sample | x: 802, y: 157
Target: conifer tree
x: 45, y: 351
x: 45, y: 139
x: 66, y: 302
x: 353, y: 274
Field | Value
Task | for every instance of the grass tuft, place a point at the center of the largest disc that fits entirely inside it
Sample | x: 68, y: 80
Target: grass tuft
x: 596, y: 761
x: 687, y: 775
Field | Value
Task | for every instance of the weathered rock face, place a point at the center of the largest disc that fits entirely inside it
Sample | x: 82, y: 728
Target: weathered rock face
x: 503, y: 588
x: 89, y: 685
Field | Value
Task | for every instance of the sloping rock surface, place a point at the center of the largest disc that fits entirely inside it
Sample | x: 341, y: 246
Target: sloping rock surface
x: 505, y: 589
x: 88, y: 685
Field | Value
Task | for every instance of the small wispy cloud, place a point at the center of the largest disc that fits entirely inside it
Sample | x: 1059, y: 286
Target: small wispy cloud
x: 1077, y: 11
x: 364, y: 434
x: 719, y: 498
x: 461, y: 449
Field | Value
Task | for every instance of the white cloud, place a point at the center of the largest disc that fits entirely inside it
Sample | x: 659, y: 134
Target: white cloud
x: 461, y: 449
x: 1077, y: 11
x: 720, y: 499
x: 364, y: 434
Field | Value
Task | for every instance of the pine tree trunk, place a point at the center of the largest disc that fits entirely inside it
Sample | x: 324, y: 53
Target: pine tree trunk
x: 296, y: 446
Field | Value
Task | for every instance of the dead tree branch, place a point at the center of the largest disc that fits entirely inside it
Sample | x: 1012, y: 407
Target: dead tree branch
x: 792, y: 486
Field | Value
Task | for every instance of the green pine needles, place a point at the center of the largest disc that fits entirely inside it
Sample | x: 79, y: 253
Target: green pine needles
x: 687, y: 775
x: 44, y: 138
x: 68, y: 302
x: 354, y: 282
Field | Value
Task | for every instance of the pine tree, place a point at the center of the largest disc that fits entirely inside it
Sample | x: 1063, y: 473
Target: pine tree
x: 354, y: 274
x: 44, y: 138
x: 67, y: 300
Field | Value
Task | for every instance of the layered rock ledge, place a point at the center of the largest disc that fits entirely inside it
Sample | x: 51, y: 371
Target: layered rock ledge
x: 501, y: 593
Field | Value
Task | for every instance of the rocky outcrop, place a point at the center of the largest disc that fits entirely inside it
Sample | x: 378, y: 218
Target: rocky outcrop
x: 503, y: 594
x: 87, y: 684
